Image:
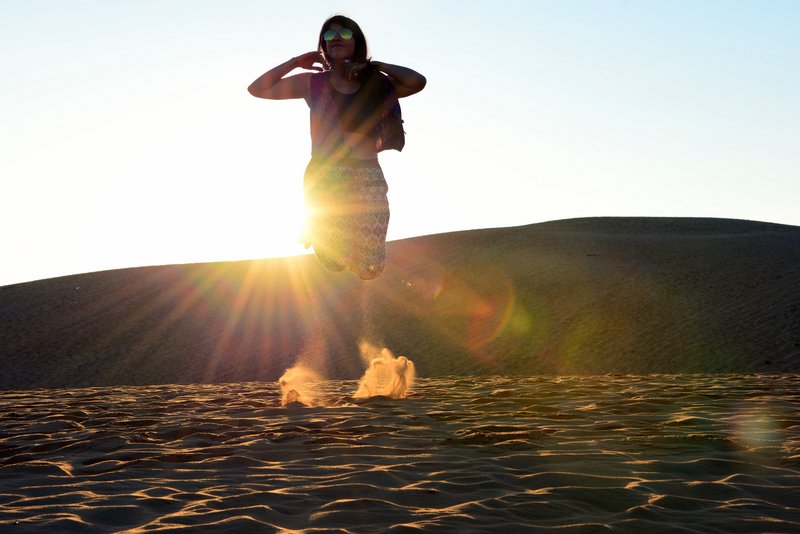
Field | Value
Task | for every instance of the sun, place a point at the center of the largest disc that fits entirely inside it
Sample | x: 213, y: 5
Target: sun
x: 250, y: 215
x: 273, y: 228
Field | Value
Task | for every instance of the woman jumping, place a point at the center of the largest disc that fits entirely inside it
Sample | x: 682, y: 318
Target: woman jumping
x: 354, y: 115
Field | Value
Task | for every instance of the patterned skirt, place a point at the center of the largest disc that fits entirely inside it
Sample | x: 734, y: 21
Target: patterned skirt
x: 347, y: 215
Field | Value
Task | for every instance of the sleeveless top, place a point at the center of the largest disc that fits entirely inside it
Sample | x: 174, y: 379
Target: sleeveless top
x: 333, y: 114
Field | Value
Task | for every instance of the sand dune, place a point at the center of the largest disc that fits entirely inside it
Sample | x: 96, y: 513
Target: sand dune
x: 665, y: 453
x: 186, y: 427
x: 584, y: 296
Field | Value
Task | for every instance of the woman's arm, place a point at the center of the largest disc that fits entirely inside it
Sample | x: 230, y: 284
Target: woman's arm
x: 406, y: 81
x: 273, y: 85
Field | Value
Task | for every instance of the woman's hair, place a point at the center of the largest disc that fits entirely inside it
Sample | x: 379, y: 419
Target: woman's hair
x: 360, y: 53
x: 371, y: 94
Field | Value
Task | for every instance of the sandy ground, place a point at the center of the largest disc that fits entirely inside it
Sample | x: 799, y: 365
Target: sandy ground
x: 574, y: 297
x: 661, y: 453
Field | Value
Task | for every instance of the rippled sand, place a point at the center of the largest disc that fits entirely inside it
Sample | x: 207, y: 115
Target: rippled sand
x: 695, y: 453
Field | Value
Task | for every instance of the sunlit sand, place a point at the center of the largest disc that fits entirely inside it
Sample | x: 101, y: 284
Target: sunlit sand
x: 386, y: 375
x: 694, y: 453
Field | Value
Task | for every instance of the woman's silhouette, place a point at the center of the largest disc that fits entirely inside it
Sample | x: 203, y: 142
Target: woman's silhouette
x: 354, y: 115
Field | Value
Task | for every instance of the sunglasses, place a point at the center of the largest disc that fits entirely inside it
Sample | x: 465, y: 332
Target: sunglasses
x: 344, y: 33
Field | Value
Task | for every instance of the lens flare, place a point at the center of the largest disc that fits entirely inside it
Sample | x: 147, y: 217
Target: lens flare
x: 755, y: 427
x: 475, y: 308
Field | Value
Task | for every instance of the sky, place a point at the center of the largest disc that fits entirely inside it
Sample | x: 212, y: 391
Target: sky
x: 128, y: 137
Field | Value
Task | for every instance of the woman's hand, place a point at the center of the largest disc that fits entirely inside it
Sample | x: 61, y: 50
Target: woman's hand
x: 406, y: 81
x: 353, y: 70
x: 309, y: 61
x: 276, y: 83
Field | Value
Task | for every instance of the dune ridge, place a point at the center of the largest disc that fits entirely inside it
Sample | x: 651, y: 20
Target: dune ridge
x: 579, y: 297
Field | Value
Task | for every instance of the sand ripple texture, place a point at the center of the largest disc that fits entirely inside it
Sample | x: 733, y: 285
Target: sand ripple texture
x: 592, y: 454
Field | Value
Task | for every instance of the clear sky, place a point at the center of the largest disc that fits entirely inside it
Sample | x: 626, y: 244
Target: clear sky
x: 128, y: 137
